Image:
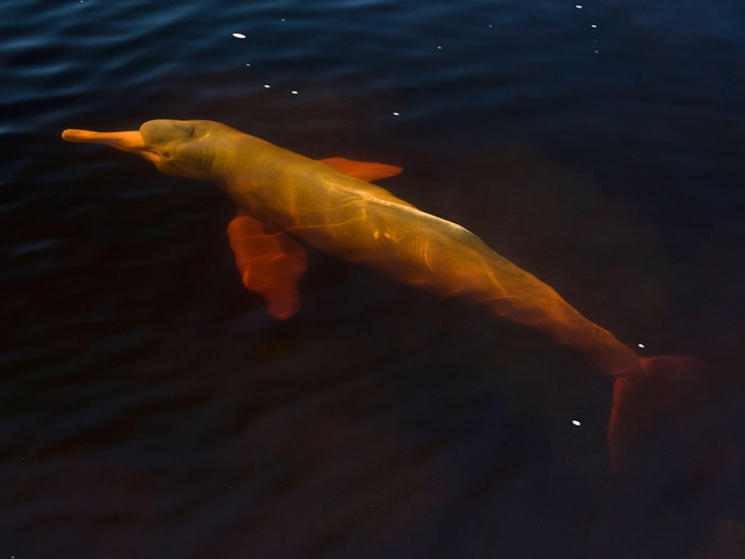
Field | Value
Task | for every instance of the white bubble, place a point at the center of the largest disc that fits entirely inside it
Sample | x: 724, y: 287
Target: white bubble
x: 641, y: 346
x: 439, y: 47
x: 267, y: 86
x: 593, y: 26
x: 294, y: 92
x: 248, y: 64
x: 578, y: 6
x: 576, y: 423
x: 396, y: 114
x: 239, y: 35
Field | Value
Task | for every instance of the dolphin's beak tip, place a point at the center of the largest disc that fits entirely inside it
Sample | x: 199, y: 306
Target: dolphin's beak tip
x: 73, y: 135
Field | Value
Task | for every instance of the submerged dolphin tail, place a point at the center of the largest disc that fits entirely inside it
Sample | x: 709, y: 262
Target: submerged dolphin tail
x: 641, y: 400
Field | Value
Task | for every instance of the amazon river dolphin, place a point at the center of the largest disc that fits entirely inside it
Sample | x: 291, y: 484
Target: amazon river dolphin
x: 286, y: 199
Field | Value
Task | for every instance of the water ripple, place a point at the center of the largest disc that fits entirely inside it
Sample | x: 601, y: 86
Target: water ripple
x: 150, y: 405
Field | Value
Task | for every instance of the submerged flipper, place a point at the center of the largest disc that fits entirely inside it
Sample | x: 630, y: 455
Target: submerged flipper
x: 270, y: 263
x: 640, y: 400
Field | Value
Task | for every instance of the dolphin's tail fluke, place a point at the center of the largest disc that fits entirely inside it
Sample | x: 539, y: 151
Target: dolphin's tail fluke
x: 641, y: 401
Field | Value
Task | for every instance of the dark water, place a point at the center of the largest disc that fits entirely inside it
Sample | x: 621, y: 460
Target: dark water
x: 149, y: 406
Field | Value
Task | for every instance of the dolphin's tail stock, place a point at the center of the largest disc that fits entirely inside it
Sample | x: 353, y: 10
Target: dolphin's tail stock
x: 642, y: 402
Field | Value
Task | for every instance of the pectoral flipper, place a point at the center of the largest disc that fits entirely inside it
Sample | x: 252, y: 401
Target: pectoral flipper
x: 270, y: 263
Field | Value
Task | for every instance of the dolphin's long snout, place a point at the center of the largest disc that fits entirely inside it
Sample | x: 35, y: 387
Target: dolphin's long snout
x: 130, y: 140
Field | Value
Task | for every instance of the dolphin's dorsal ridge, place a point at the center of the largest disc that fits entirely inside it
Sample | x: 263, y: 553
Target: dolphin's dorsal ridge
x: 367, y: 172
x: 362, y: 169
x: 270, y: 263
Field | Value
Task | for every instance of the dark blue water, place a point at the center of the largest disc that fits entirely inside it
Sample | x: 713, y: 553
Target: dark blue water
x: 149, y: 406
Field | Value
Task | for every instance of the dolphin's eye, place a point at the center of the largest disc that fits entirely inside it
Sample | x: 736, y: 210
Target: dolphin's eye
x: 186, y: 131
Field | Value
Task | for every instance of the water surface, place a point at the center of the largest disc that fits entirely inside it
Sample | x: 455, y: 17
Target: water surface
x: 151, y: 408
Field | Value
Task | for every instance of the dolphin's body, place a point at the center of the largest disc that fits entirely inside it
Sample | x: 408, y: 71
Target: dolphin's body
x: 283, y: 195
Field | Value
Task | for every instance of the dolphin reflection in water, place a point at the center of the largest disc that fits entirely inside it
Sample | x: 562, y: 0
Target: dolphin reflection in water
x: 284, y: 197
